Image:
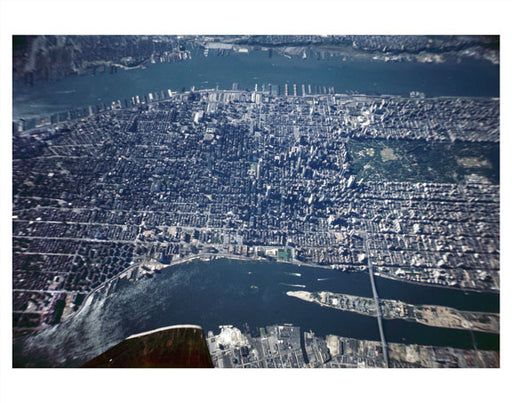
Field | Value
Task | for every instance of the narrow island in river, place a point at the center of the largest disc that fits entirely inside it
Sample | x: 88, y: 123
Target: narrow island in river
x: 430, y: 315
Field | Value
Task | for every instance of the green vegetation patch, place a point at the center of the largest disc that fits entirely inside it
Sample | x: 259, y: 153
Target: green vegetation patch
x: 284, y: 254
x: 422, y: 161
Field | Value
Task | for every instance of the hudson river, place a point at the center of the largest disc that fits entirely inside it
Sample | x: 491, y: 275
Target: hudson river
x: 467, y: 78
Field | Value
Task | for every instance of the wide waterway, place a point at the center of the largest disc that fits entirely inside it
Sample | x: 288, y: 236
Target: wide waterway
x: 468, y: 77
x: 235, y: 292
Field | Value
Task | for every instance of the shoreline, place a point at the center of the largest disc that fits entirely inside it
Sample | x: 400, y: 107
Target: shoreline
x: 463, y: 289
x: 210, y: 257
x: 48, y: 115
x: 449, y: 317
x: 88, y: 300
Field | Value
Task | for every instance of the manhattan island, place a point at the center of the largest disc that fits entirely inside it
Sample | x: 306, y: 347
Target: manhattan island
x: 331, y: 180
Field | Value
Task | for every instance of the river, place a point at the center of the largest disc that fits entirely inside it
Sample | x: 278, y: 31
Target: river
x: 467, y: 78
x: 237, y: 292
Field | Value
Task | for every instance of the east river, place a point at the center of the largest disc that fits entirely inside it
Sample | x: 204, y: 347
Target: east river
x: 243, y: 292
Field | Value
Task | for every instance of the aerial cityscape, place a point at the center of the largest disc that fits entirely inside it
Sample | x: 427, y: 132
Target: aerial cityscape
x: 309, y: 201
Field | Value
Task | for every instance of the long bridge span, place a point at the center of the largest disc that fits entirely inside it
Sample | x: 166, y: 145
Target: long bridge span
x: 377, y: 301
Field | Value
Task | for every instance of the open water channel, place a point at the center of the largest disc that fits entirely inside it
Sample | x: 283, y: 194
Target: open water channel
x: 467, y: 78
x: 242, y: 292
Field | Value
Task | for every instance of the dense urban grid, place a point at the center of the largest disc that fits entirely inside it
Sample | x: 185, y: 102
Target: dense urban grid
x: 249, y: 174
x: 279, y: 346
x: 288, y: 173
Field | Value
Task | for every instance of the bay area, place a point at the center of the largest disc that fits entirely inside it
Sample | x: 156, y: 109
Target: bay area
x: 236, y: 292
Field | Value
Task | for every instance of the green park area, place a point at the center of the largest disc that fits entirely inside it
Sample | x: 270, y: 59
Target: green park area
x: 422, y: 161
x: 284, y: 255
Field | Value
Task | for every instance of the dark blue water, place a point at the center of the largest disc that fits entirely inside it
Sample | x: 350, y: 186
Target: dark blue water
x: 467, y: 78
x: 421, y: 294
x: 223, y: 292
